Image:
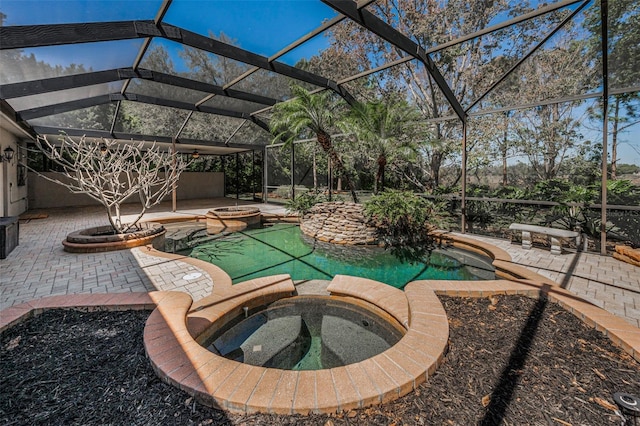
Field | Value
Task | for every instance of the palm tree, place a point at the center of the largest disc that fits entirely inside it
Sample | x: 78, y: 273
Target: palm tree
x: 314, y: 112
x: 385, y: 130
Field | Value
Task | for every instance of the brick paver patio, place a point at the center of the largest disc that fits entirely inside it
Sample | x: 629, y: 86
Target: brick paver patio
x: 39, y: 267
x: 604, y: 281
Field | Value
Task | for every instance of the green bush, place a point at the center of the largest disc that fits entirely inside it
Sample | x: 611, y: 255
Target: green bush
x: 303, y: 202
x: 402, y: 217
x: 551, y: 190
x: 624, y: 192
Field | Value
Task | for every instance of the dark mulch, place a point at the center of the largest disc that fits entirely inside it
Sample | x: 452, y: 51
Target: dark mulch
x: 512, y: 360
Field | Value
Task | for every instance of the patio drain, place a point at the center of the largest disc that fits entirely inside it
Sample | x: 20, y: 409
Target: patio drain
x: 192, y: 276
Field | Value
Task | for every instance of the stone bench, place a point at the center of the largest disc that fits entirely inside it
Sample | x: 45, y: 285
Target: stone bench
x: 556, y: 235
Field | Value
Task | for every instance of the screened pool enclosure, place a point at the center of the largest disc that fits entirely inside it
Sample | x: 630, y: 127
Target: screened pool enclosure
x: 505, y: 110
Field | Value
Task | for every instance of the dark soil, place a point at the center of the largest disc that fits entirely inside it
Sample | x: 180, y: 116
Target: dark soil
x: 512, y: 360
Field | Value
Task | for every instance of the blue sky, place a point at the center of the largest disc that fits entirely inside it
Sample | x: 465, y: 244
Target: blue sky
x: 260, y: 26
x: 30, y: 12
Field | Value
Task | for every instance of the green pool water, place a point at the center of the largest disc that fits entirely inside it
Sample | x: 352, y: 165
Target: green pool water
x: 281, y: 249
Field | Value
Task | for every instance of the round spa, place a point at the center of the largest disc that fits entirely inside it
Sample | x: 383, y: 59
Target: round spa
x: 255, y: 347
x: 232, y: 219
x: 307, y: 333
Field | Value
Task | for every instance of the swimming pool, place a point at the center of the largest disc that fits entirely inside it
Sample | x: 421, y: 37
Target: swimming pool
x: 282, y: 249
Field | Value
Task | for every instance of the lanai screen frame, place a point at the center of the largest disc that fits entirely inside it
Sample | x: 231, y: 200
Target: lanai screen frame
x: 17, y: 37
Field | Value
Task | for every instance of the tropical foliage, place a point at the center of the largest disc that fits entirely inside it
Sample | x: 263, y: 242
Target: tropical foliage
x: 385, y: 131
x: 314, y: 113
x: 403, y: 218
x: 301, y: 204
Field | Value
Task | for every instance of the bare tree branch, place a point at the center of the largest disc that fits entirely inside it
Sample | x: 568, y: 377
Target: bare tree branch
x: 111, y: 173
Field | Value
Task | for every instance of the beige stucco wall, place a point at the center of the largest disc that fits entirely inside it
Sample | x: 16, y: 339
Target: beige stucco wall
x: 13, y: 198
x: 192, y: 185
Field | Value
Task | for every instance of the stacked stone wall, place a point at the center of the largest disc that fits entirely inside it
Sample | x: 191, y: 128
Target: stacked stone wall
x: 338, y: 223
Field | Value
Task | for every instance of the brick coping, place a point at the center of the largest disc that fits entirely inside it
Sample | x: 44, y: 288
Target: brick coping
x: 170, y: 337
x: 174, y: 349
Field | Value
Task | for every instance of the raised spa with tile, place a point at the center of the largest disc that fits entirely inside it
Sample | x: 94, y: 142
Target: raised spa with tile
x: 307, y: 333
x: 232, y: 219
x: 259, y: 348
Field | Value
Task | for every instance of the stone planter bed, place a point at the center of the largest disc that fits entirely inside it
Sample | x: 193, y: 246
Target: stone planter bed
x: 102, y: 238
x: 338, y: 223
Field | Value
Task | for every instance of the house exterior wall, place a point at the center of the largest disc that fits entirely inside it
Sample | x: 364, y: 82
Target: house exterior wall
x: 13, y: 191
x: 192, y: 185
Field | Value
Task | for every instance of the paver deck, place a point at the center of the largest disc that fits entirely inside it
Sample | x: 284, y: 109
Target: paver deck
x: 602, y: 280
x: 127, y: 280
x: 39, y: 267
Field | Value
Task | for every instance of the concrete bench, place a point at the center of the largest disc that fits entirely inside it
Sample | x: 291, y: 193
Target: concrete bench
x: 557, y: 235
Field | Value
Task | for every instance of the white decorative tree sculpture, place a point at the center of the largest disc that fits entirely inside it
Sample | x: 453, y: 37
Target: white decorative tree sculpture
x: 112, y: 172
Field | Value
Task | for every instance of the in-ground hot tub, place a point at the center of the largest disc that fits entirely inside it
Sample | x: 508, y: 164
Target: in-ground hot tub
x: 178, y: 329
x: 307, y: 333
x: 232, y: 219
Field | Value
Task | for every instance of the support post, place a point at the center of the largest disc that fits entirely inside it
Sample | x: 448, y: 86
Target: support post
x: 223, y: 161
x: 174, y: 194
x: 463, y: 167
x: 265, y: 167
x: 237, y: 176
x: 329, y: 176
x: 293, y: 168
x: 253, y: 174
x: 605, y: 123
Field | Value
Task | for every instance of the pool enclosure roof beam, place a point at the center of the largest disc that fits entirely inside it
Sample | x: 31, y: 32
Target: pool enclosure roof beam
x: 47, y: 130
x: 47, y: 85
x: 385, y: 31
x: 529, y: 53
x: 26, y: 36
x: 162, y: 11
x: 43, y: 35
x: 38, y: 112
x: 513, y: 21
x: 164, y: 7
x: 299, y: 42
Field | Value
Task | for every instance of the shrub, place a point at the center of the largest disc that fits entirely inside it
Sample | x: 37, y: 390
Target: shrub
x: 403, y: 219
x: 623, y: 192
x: 303, y: 202
x: 551, y: 190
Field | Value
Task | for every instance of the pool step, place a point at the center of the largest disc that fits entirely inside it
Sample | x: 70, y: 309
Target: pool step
x: 187, y: 238
x: 477, y: 264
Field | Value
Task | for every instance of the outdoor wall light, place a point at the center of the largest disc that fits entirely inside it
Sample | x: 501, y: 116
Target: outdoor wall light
x: 195, y: 154
x: 8, y: 154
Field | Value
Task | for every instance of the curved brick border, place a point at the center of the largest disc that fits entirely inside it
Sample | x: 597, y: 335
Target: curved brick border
x: 173, y: 347
x: 233, y: 212
x: 520, y: 280
x: 232, y: 219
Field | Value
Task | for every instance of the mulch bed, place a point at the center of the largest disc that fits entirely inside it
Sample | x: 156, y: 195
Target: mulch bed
x: 512, y: 361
